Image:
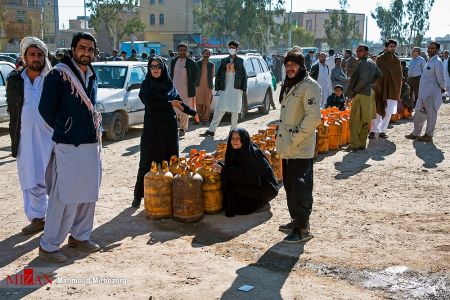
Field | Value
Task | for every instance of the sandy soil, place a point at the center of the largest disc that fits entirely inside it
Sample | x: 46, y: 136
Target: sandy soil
x: 374, y: 210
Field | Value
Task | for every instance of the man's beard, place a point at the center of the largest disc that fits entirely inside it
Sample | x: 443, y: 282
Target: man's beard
x: 84, y: 61
x: 36, y: 67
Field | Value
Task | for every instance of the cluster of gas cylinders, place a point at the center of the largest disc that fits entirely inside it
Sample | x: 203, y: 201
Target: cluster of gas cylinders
x: 187, y: 188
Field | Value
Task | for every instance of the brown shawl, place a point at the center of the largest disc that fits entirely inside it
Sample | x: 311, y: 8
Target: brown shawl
x: 388, y: 87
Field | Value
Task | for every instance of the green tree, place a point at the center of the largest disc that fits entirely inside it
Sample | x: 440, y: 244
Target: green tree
x: 391, y: 21
x: 253, y: 25
x: 302, y: 37
x: 117, y: 16
x: 418, y: 12
x: 341, y: 28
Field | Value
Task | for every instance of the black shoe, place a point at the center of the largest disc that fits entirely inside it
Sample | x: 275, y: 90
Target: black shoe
x: 372, y: 135
x: 411, y: 136
x: 286, y: 228
x: 298, y: 236
x: 207, y: 133
x: 136, y: 203
x: 181, y: 132
x: 383, y: 135
x: 362, y: 148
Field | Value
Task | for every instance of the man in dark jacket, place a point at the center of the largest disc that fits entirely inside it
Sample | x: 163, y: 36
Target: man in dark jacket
x: 204, y: 86
x: 30, y: 136
x: 67, y: 105
x: 184, y: 75
x: 231, y: 81
x: 363, y: 103
x: 310, y: 59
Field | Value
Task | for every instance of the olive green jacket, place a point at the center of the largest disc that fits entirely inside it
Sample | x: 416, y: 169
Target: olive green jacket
x: 300, y: 115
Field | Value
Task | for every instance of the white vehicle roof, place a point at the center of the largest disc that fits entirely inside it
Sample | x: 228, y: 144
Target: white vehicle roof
x: 120, y: 63
x: 243, y: 56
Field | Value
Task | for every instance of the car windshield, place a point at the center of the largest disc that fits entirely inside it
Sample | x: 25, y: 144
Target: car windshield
x: 111, y: 76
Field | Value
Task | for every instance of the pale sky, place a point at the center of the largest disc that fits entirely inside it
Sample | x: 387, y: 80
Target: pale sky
x: 439, y: 16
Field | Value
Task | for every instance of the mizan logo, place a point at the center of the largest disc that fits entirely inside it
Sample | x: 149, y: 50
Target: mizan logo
x: 29, y: 278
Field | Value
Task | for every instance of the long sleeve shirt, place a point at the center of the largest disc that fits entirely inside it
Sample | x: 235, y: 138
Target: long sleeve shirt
x: 416, y: 66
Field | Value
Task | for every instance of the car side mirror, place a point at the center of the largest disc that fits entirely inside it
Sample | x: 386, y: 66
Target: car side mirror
x: 133, y: 86
x: 251, y: 74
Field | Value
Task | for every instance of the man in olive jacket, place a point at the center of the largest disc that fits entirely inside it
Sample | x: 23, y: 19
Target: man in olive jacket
x: 300, y: 115
x: 184, y: 75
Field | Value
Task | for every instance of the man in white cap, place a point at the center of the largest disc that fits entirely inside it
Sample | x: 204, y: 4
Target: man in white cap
x: 30, y: 135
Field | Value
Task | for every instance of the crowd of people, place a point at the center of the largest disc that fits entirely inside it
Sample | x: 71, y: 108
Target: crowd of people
x: 57, y: 141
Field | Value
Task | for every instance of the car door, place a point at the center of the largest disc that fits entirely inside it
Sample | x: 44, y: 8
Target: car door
x: 260, y: 81
x: 266, y: 77
x: 251, y: 82
x: 135, y: 106
x: 3, y: 109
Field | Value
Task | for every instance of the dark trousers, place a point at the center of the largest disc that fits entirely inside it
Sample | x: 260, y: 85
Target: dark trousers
x: 298, y: 183
x: 413, y: 83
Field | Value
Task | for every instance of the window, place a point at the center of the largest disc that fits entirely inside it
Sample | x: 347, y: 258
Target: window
x: 30, y: 2
x: 151, y: 2
x: 161, y: 1
x: 152, y: 19
x: 256, y: 66
x: 309, y: 25
x: 357, y: 26
x: 2, y: 82
x: 21, y: 16
x: 161, y: 19
x: 137, y: 75
x: 263, y: 65
x: 248, y: 66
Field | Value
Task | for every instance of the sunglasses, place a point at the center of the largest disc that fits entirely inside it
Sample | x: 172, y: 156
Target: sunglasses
x: 156, y: 67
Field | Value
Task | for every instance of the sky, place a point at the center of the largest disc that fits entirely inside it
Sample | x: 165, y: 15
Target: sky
x: 439, y: 15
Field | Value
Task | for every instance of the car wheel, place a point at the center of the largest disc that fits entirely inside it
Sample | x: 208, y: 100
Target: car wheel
x: 266, y: 104
x: 118, y: 127
x: 244, y: 109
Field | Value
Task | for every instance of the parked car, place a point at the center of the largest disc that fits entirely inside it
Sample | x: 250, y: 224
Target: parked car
x: 259, y: 84
x: 118, y: 95
x: 11, y: 54
x: 406, y: 59
x: 5, y: 69
x: 7, y: 58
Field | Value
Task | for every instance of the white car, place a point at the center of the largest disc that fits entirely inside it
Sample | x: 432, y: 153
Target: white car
x: 118, y: 100
x: 5, y: 69
x: 259, y: 84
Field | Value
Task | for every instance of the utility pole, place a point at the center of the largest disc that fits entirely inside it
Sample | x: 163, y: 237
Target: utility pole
x: 367, y: 23
x: 85, y: 19
x: 290, y: 28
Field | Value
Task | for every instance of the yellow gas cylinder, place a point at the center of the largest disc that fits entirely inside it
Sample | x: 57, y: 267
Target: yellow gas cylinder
x: 333, y: 133
x: 338, y: 121
x: 323, y: 132
x: 347, y: 114
x: 271, y: 130
x: 275, y: 160
x: 263, y: 148
x: 176, y: 164
x: 345, y: 125
x: 220, y: 151
x: 212, y: 187
x: 262, y: 133
x: 187, y: 196
x: 158, y: 192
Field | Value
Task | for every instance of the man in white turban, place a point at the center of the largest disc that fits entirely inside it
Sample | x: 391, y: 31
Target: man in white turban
x: 30, y: 135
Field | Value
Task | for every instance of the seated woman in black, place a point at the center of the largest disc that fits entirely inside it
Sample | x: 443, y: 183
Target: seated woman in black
x: 159, y: 140
x: 248, y: 182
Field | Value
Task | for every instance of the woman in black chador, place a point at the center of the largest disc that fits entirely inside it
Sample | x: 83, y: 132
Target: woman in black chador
x: 248, y: 182
x: 159, y: 140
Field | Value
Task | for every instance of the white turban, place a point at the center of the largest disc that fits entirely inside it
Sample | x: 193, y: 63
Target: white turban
x: 29, y: 41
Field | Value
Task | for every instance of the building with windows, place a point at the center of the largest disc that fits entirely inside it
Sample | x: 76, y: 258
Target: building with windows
x: 20, y: 18
x: 314, y: 21
x: 170, y: 22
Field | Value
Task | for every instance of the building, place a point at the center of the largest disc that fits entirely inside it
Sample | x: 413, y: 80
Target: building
x: 64, y: 37
x: 50, y: 18
x: 170, y: 22
x: 314, y: 21
x: 444, y: 41
x: 19, y: 18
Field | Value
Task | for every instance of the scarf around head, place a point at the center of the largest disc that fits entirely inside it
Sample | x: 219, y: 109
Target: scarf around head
x: 29, y: 41
x: 161, y: 88
x: 300, y: 76
x: 248, y: 157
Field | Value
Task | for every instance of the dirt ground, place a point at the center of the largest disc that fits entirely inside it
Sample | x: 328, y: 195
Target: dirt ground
x: 381, y: 220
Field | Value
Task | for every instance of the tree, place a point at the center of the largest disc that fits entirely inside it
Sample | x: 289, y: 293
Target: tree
x: 418, y: 12
x: 254, y: 26
x: 341, y: 28
x: 302, y: 37
x: 391, y: 21
x: 117, y: 16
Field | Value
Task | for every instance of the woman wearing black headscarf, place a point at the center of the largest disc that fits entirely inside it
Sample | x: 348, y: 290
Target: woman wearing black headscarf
x: 159, y: 140
x: 248, y: 182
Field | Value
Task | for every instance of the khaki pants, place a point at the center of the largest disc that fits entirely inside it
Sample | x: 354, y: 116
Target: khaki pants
x: 182, y: 117
x: 413, y: 83
x: 362, y: 112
